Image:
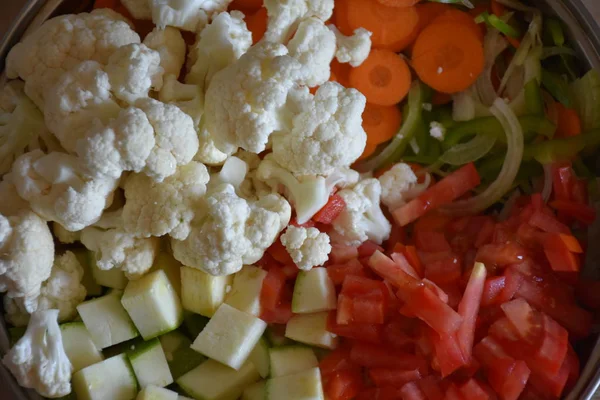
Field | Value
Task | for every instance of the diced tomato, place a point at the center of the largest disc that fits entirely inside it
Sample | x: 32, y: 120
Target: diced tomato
x: 430, y: 387
x: 307, y: 224
x: 362, y: 300
x: 448, y: 353
x: 486, y: 232
x: 387, y: 393
x: 548, y: 223
x: 267, y: 262
x: 443, y: 192
x: 551, y: 385
x: 574, y: 368
x: 341, y: 254
x: 444, y: 271
x: 428, y: 307
x: 343, y: 384
x: 281, y: 314
x: 290, y: 271
x: 452, y: 393
x: 431, y: 241
x: 337, y: 360
x: 272, y: 289
x: 383, y: 377
x: 368, y: 248
x: 468, y: 309
x: 376, y: 356
x: 331, y: 210
x: 432, y: 222
x: 581, y: 212
x: 557, y: 248
x: 491, y: 290
x: 397, y: 235
x: 392, y: 272
x: 279, y: 253
x: 338, y: 272
x: 410, y: 252
x: 474, y: 390
x: 371, y: 333
x: 588, y: 292
x: 501, y: 254
x: 402, y: 262
x: 394, y: 334
x: 563, y: 179
x: 439, y: 292
x: 411, y: 391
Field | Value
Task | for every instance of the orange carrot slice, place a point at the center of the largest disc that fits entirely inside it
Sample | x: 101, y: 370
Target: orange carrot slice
x: 368, y: 151
x: 460, y: 17
x: 398, y: 3
x: 246, y: 6
x: 340, y: 16
x: 384, y: 78
x: 381, y: 122
x: 568, y: 121
x: 448, y: 57
x: 257, y: 24
x: 341, y: 73
x: 430, y: 11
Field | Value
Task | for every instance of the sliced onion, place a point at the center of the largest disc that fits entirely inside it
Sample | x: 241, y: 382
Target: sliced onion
x: 510, y: 167
x: 493, y: 45
x: 557, y: 51
x: 473, y: 150
x: 547, y: 189
x: 414, y: 145
x: 417, y: 189
x: 465, y: 3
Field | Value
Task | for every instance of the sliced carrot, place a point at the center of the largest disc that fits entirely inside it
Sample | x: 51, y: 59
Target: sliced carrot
x: 430, y: 11
x: 381, y: 122
x: 568, y: 123
x: 460, y: 17
x: 394, y: 28
x: 498, y: 9
x: 440, y: 98
x: 384, y: 78
x: 246, y: 6
x: 448, y: 57
x: 340, y: 73
x: 398, y: 3
x: 368, y: 151
x: 112, y: 4
x: 257, y: 24
x: 340, y: 16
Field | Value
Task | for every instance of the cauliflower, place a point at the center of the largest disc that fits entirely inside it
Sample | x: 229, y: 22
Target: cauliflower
x: 437, y: 130
x: 396, y: 183
x: 133, y: 70
x: 62, y: 291
x: 284, y: 16
x: 219, y: 45
x: 208, y: 153
x: 65, y: 236
x: 362, y: 219
x: 251, y: 187
x: 176, y: 138
x: 157, y: 209
x: 20, y: 124
x: 232, y: 231
x: 244, y: 101
x: 352, y: 49
x: 170, y: 45
x: 313, y: 45
x: 38, y: 360
x: 139, y: 9
x: 63, y: 42
x: 115, y: 248
x: 233, y: 172
x: 325, y: 137
x: 188, y: 15
x: 189, y: 98
x: 307, y: 246
x: 59, y: 189
x: 26, y: 254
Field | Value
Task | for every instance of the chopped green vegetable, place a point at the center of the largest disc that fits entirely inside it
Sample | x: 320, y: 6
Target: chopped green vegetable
x: 557, y: 86
x: 555, y: 30
x: 473, y: 150
x: 562, y: 149
x: 497, y: 23
x: 586, y: 98
x: 533, y: 98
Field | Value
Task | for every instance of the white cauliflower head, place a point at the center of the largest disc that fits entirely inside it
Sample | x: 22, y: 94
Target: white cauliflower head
x: 176, y: 138
x: 284, y: 16
x: 63, y: 42
x: 133, y: 71
x: 307, y: 246
x: 219, y: 45
x: 139, y: 9
x: 325, y: 137
x: 62, y: 291
x: 59, y: 189
x: 396, y: 185
x: 64, y: 236
x: 157, y: 209
x: 313, y: 45
x: 188, y: 97
x: 38, y: 360
x: 232, y: 231
x: 244, y: 101
x: 208, y: 153
x: 188, y: 15
x: 354, y: 49
x: 170, y: 45
x: 362, y: 219
x: 26, y: 254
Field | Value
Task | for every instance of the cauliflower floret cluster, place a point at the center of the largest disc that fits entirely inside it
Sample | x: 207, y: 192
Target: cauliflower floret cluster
x: 307, y: 246
x: 396, y: 185
x: 170, y: 45
x: 354, y: 49
x: 189, y: 15
x: 285, y: 16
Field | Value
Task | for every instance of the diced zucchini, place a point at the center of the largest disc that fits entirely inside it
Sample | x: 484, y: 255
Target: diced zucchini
x: 214, y: 381
x: 112, y: 278
x: 152, y: 392
x: 150, y: 364
x: 180, y: 357
x: 259, y: 356
x: 256, y: 391
x: 84, y: 257
x: 288, y: 360
x: 230, y: 336
x: 153, y: 304
x: 165, y: 261
x: 203, y: 293
x: 314, y: 291
x: 79, y: 346
x: 111, y: 379
x: 304, y: 385
x: 311, y: 329
x: 245, y: 291
x: 106, y: 320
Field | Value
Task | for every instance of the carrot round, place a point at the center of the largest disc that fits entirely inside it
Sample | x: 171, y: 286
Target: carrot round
x: 340, y: 73
x: 568, y: 122
x: 381, y: 122
x: 368, y: 151
x: 384, y: 78
x: 246, y: 6
x: 340, y: 16
x: 430, y: 11
x: 448, y: 57
x: 257, y: 24
x: 398, y: 3
x: 460, y: 17
x: 394, y: 28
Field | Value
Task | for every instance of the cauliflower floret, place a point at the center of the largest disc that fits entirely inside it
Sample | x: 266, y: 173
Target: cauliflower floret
x: 307, y: 246
x: 244, y: 101
x: 327, y: 136
x: 233, y: 172
x: 115, y: 248
x: 437, y: 130
x: 59, y: 189
x: 20, y: 124
x: 352, y: 49
x: 133, y: 70
x: 284, y: 16
x: 26, y: 254
x: 38, y: 360
x: 219, y: 45
x: 65, y: 236
x: 157, y: 209
x: 313, y: 45
x: 395, y: 183
x: 63, y: 42
x: 208, y: 153
x: 139, y: 9
x: 170, y: 45
x: 62, y: 291
x: 251, y: 187
x: 362, y: 219
x: 189, y: 98
x: 232, y: 232
x: 176, y: 138
x: 188, y: 15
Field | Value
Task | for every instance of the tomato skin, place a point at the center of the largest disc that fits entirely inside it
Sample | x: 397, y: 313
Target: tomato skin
x: 341, y: 254
x: 468, y: 309
x: 445, y: 270
x: 581, y: 212
x: 272, y: 289
x: 492, y: 289
x: 368, y: 248
x: 279, y: 253
x: 343, y: 385
x: 383, y: 377
x: 330, y: 211
x: 337, y: 360
x: 403, y: 263
x: 371, y: 333
x: 548, y: 223
x: 430, y: 387
x: 281, y: 314
x: 338, y: 272
x: 448, y: 353
x: 374, y: 356
x: 411, y: 391
x: 560, y: 250
x: 428, y: 307
x: 431, y: 241
x: 501, y: 254
x: 474, y: 390
x: 392, y: 272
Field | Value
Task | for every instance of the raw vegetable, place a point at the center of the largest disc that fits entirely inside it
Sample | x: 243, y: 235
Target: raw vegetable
x: 149, y: 364
x: 201, y: 292
x: 79, y: 346
x: 112, y: 378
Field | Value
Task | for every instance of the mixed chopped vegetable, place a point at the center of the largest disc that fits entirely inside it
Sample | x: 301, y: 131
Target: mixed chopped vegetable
x: 298, y: 200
